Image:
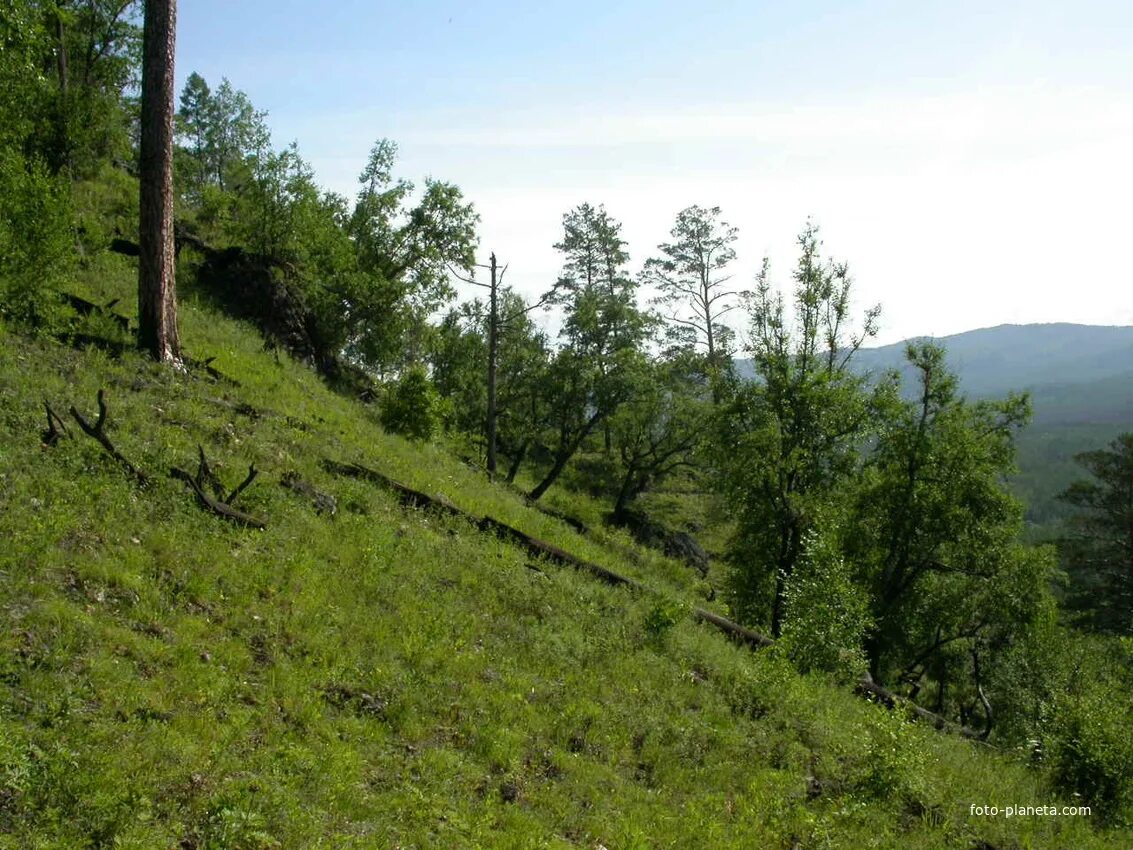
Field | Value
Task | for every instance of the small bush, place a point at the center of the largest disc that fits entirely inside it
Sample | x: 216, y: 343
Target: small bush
x: 661, y: 618
x: 826, y: 613
x: 1091, y: 753
x: 35, y: 241
x: 105, y: 207
x: 411, y: 406
x: 894, y: 765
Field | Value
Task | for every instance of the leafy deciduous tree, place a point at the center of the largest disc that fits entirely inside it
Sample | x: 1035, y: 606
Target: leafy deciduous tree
x: 93, y: 56
x: 789, y: 441
x: 661, y: 427
x: 405, y: 257
x: 935, y: 539
x: 603, y: 330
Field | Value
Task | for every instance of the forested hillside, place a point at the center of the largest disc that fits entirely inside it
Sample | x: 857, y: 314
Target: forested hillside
x: 302, y: 551
x: 1080, y: 381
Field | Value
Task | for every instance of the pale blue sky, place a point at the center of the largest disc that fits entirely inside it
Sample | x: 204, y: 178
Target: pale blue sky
x: 972, y: 161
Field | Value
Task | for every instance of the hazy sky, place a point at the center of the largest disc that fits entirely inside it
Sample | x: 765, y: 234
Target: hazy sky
x: 973, y: 161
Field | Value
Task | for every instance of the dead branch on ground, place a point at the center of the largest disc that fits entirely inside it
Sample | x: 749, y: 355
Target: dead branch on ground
x: 220, y: 507
x: 98, y: 432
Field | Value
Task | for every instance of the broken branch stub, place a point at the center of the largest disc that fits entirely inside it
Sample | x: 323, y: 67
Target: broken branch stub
x: 205, y: 475
x: 243, y: 485
x: 56, y: 430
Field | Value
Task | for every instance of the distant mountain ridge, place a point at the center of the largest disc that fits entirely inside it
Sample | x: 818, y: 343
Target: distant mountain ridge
x: 1052, y: 361
x: 1080, y: 378
x: 1000, y: 359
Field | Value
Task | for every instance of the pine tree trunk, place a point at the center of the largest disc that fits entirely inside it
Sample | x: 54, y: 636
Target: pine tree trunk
x: 157, y: 304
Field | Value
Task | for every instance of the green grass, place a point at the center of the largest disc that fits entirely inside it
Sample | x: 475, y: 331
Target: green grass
x: 388, y: 677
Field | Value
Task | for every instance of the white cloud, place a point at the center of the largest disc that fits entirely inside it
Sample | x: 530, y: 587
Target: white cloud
x: 955, y: 211
x: 936, y: 122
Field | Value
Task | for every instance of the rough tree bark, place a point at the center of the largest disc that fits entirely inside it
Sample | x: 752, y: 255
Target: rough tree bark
x: 157, y: 304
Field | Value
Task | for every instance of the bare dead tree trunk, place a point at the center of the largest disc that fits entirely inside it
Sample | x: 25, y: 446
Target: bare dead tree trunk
x: 157, y: 303
x: 493, y: 356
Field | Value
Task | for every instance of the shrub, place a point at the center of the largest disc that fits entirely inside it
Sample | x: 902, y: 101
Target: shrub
x: 826, y: 615
x: 894, y: 765
x: 661, y: 618
x: 411, y: 406
x: 35, y: 240
x: 1087, y: 740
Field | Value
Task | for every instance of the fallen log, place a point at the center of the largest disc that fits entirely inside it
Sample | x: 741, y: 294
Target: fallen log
x: 324, y: 503
x: 553, y: 553
x: 735, y: 631
x: 415, y: 498
x: 97, y: 431
x: 406, y: 495
x: 867, y: 687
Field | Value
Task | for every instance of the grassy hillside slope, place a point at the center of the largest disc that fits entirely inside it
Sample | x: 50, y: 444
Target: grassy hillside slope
x: 388, y: 677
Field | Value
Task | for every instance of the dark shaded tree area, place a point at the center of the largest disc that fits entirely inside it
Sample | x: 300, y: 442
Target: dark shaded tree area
x: 1098, y: 548
x: 67, y: 112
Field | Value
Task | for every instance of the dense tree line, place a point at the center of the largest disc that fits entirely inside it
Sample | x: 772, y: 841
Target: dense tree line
x: 68, y: 112
x: 871, y: 527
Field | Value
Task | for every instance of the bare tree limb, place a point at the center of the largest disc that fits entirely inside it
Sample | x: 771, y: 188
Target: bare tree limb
x: 97, y: 432
x: 513, y: 316
x: 205, y: 475
x: 217, y: 507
